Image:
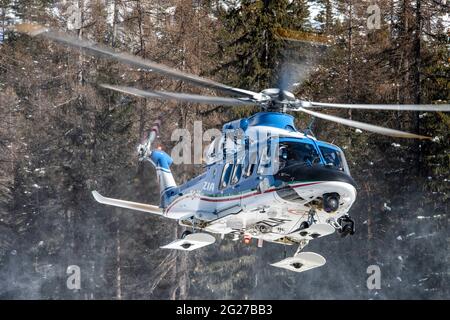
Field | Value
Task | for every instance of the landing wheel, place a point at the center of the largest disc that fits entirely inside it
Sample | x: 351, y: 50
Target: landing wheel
x: 304, y: 225
x: 352, y: 232
x: 346, y: 230
x: 347, y: 226
x: 185, y: 233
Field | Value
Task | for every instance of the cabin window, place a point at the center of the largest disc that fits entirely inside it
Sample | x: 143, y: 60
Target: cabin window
x: 264, y: 161
x: 237, y: 172
x: 297, y: 153
x: 226, y: 174
x: 251, y: 164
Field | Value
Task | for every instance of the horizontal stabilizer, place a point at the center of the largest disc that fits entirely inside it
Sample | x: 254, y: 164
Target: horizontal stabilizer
x: 127, y: 204
x: 301, y: 262
x: 317, y: 230
x: 191, y: 242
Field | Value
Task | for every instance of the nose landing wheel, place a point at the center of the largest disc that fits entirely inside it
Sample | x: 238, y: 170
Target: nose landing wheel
x: 347, y: 225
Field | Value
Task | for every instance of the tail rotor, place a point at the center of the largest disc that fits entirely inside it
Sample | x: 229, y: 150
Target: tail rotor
x: 144, y: 149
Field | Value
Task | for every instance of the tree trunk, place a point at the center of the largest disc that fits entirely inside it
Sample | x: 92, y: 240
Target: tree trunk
x: 417, y: 84
x: 118, y: 262
x: 114, y: 24
x: 350, y: 57
x: 80, y: 35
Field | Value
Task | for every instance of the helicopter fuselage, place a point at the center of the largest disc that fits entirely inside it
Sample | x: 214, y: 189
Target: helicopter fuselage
x: 266, y: 186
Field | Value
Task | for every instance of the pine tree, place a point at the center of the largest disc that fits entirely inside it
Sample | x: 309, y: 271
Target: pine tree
x: 252, y: 47
x: 61, y: 138
x: 325, y: 17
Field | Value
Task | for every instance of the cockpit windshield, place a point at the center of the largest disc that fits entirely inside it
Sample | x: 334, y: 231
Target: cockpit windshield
x: 298, y: 153
x: 334, y: 158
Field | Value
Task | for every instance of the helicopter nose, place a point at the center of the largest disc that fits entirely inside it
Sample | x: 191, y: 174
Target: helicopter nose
x: 326, y: 189
x: 300, y: 173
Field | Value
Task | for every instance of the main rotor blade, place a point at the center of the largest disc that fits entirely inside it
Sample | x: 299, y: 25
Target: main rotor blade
x: 396, y: 107
x: 37, y: 30
x: 164, y: 95
x: 363, y: 126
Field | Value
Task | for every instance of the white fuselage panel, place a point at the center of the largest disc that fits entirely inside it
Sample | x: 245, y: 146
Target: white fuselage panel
x: 253, y: 207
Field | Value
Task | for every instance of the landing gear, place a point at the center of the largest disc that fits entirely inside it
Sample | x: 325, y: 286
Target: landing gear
x: 185, y: 233
x: 191, y: 224
x: 311, y: 217
x: 308, y: 230
x: 301, y: 261
x: 306, y: 224
x: 347, y: 226
x: 302, y: 244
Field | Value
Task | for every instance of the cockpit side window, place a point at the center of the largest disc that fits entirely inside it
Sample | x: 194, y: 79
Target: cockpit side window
x: 297, y: 153
x: 334, y: 158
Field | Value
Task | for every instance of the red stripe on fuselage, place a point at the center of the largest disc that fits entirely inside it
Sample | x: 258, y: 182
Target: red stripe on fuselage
x: 237, y: 197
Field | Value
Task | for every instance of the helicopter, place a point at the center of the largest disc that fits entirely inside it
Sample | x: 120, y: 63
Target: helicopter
x: 264, y: 179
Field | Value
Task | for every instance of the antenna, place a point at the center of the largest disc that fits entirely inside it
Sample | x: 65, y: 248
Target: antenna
x: 309, y: 130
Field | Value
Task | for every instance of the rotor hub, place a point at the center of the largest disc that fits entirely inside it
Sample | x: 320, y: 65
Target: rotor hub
x: 278, y: 99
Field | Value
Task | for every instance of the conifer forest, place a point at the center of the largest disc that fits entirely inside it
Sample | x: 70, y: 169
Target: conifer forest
x: 62, y: 136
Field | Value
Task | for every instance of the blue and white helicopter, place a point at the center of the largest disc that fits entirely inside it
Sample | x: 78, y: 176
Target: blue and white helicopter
x: 263, y: 179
